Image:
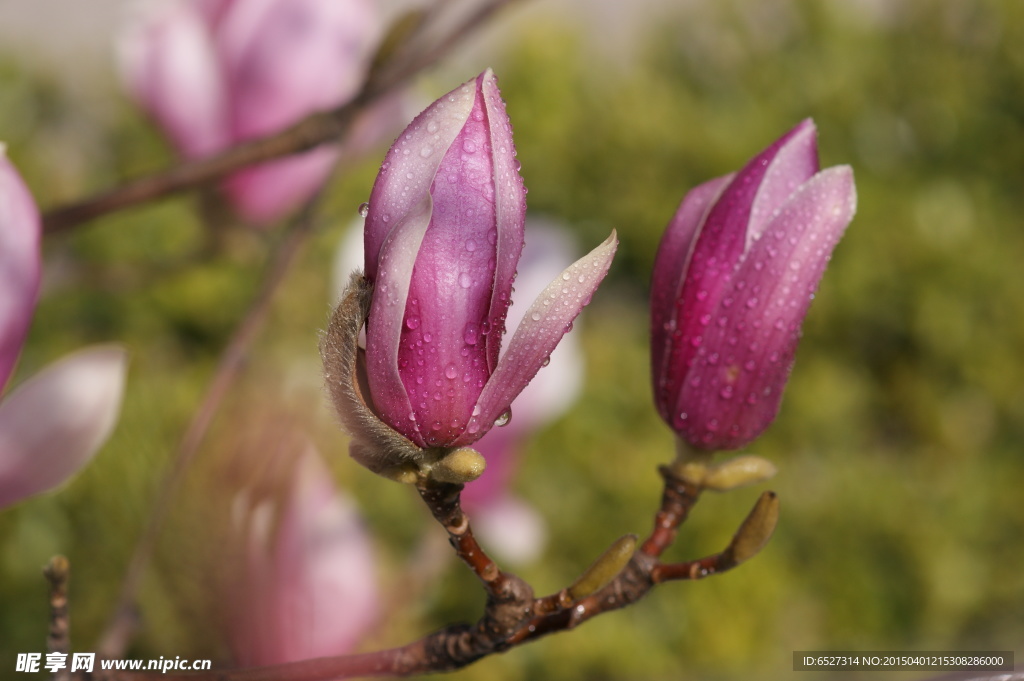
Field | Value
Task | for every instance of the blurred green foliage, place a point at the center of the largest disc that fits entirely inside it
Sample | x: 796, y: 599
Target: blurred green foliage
x: 899, y: 441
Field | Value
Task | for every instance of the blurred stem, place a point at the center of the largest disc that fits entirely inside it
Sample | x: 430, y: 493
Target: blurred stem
x: 57, y: 573
x: 123, y: 622
x: 417, y: 52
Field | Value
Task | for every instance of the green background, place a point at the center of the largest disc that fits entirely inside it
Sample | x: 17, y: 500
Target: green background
x: 898, y: 442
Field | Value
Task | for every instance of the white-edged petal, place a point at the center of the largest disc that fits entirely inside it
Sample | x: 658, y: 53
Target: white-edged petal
x: 51, y: 426
x: 543, y: 325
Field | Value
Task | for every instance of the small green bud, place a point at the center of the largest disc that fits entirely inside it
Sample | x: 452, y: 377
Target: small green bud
x: 459, y: 466
x: 756, y: 529
x: 605, y: 568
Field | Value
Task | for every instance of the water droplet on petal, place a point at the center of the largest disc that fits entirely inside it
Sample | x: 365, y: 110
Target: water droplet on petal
x: 465, y: 281
x: 412, y: 323
x: 535, y: 316
x: 426, y: 151
x: 364, y: 209
x: 451, y: 372
x: 503, y: 418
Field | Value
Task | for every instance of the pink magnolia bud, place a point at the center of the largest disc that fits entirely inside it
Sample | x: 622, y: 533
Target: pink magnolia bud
x: 733, y: 279
x: 443, y: 237
x: 19, y: 263
x: 53, y: 423
x: 217, y: 72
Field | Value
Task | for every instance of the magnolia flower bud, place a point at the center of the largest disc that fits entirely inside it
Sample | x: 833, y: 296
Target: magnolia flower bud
x: 443, y: 236
x: 733, y: 279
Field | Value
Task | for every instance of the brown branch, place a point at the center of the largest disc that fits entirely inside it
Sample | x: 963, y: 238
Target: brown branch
x: 389, y: 72
x: 512, y: 615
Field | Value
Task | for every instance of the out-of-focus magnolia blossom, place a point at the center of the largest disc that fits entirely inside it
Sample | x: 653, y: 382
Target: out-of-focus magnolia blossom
x: 733, y: 279
x: 53, y: 423
x: 307, y: 585
x: 216, y: 72
x: 443, y: 237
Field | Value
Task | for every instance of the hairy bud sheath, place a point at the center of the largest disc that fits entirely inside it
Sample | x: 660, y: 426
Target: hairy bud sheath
x: 733, y: 279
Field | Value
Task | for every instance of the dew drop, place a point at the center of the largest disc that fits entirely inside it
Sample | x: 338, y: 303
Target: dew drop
x: 547, y: 361
x: 432, y: 127
x: 426, y: 151
x: 412, y: 323
x: 451, y: 372
x: 465, y: 281
x: 535, y: 316
x: 364, y: 209
x: 503, y: 418
x: 470, y: 245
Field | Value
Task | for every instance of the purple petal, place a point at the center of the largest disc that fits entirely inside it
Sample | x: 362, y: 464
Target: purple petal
x: 795, y: 163
x: 545, y: 322
x: 51, y: 426
x: 19, y: 264
x: 441, y: 358
x: 733, y: 390
x: 721, y: 243
x: 670, y: 264
x: 169, y: 65
x: 510, y: 211
x: 387, y: 314
x: 553, y: 390
x: 409, y: 168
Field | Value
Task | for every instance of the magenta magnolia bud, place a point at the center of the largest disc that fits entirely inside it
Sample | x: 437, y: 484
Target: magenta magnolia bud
x: 443, y: 237
x: 733, y: 279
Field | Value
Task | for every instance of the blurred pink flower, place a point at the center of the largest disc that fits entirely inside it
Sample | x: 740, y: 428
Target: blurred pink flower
x: 53, y: 423
x: 20, y: 231
x: 214, y: 73
x: 733, y: 279
x: 308, y: 586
